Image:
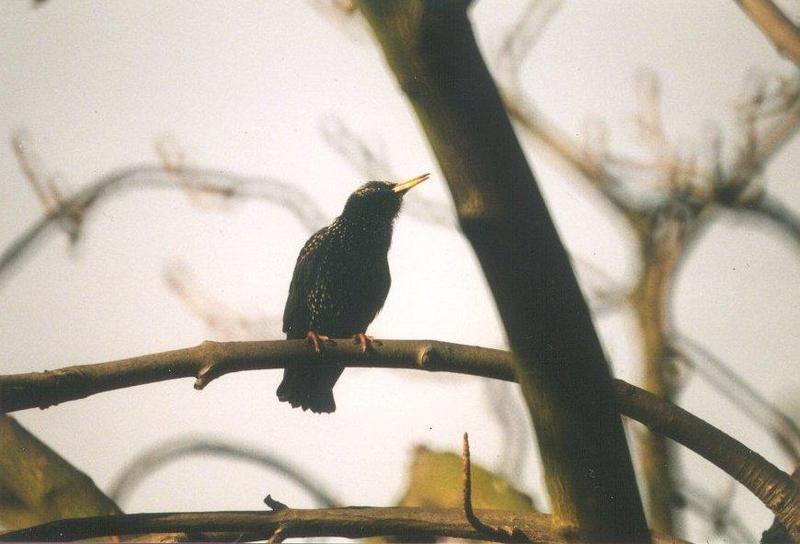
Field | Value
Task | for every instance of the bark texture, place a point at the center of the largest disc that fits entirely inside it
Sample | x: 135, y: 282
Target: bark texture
x: 560, y: 364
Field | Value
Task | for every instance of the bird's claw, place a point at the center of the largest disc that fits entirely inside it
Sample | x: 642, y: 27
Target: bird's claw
x: 316, y: 340
x: 366, y: 342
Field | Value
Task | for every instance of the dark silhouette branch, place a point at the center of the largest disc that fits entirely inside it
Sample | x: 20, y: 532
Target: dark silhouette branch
x: 351, y: 522
x: 211, y: 360
x: 778, y: 214
x: 170, y: 451
x: 563, y: 373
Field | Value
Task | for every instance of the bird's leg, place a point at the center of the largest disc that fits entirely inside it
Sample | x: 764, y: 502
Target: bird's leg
x: 366, y: 342
x: 315, y: 339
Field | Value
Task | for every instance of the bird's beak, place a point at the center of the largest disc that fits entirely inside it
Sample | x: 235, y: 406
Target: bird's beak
x: 401, y: 188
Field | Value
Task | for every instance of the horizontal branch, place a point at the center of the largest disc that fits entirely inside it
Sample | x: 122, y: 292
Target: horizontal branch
x: 211, y: 360
x: 351, y: 522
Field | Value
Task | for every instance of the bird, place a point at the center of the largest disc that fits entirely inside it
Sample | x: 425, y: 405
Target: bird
x: 340, y: 282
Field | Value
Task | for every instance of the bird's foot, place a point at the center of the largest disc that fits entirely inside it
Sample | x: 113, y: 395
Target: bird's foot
x: 366, y: 342
x: 316, y: 340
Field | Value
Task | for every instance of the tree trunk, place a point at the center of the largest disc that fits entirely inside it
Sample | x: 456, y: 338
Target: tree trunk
x: 560, y: 363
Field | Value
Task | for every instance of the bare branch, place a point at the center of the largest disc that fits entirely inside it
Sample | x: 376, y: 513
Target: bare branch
x: 170, y: 451
x: 736, y: 389
x: 772, y: 486
x: 209, y: 360
x: 775, y: 212
x: 350, y: 522
x: 479, y: 526
x: 768, y: 17
x: 300, y: 204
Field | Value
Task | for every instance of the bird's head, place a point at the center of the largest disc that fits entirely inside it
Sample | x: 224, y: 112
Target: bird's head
x: 378, y: 200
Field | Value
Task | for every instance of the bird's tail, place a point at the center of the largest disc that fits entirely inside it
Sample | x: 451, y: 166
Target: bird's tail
x: 310, y: 388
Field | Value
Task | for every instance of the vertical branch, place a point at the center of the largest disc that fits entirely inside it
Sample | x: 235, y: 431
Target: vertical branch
x: 657, y: 454
x: 432, y: 51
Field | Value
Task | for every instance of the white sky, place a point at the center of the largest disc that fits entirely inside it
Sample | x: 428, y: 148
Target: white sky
x: 244, y: 86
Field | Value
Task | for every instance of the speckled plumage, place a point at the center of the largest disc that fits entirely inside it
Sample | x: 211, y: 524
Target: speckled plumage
x: 340, y: 282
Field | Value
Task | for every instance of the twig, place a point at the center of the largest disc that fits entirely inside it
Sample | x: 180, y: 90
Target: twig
x: 497, y: 533
x: 275, y: 506
x: 278, y: 535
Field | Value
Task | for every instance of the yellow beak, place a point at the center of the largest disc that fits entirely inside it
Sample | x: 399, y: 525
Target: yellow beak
x: 406, y: 185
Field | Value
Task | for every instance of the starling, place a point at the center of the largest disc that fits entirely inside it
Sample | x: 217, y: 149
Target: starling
x: 339, y: 285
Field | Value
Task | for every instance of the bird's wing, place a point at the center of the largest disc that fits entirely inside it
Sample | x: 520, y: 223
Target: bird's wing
x: 295, y: 314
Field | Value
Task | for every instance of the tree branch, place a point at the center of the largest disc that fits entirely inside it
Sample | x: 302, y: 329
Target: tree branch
x: 77, y: 206
x: 768, y: 17
x: 212, y: 359
x: 772, y: 486
x: 775, y: 212
x: 351, y: 522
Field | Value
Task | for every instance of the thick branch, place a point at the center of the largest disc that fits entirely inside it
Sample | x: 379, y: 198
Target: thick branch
x: 564, y: 376
x: 772, y: 486
x: 783, y: 34
x: 211, y: 359
x: 352, y: 522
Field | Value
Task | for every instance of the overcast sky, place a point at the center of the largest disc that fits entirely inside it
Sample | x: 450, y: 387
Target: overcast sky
x: 246, y: 87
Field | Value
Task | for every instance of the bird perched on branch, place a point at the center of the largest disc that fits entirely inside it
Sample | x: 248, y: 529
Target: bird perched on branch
x: 339, y: 285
